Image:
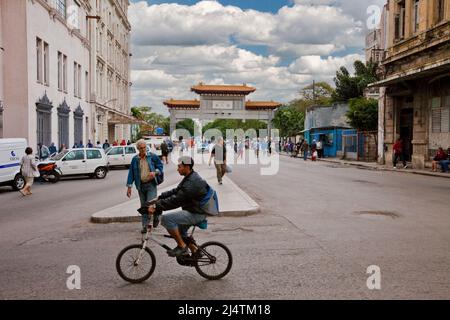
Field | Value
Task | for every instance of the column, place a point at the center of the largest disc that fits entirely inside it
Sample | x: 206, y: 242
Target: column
x: 173, y: 122
x: 381, y: 125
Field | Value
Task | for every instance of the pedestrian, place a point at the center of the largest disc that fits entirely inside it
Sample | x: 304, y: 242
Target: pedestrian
x: 305, y: 147
x: 240, y: 150
x: 89, y: 144
x: 115, y: 143
x: 43, y: 152
x: 128, y: 142
x: 75, y: 146
x: 106, y: 145
x: 62, y: 148
x: 146, y: 172
x: 52, y: 148
x: 269, y: 147
x: 29, y: 171
x: 99, y: 145
x: 440, y: 155
x: 81, y: 145
x: 123, y: 142
x: 219, y: 153
x: 164, y: 152
x: 319, y: 149
x: 398, y: 153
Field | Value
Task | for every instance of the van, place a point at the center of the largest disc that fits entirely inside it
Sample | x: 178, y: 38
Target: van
x: 11, y: 152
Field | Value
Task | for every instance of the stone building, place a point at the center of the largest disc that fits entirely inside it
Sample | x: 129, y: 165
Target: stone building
x: 49, y: 88
x: 414, y: 99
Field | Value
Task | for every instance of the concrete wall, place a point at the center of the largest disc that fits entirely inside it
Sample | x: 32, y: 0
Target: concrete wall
x: 16, y: 121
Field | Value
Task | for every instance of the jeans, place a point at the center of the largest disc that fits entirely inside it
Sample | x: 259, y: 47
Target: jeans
x: 182, y: 220
x: 305, y: 155
x: 444, y: 165
x: 147, y: 192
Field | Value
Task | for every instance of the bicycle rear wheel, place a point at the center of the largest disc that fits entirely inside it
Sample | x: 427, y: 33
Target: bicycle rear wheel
x: 214, y: 260
x: 130, y: 269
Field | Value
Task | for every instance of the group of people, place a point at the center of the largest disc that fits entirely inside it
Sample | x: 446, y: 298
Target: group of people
x: 442, y: 159
x: 315, y: 149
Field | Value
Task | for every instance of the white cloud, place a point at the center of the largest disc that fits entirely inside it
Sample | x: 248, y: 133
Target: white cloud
x: 176, y: 46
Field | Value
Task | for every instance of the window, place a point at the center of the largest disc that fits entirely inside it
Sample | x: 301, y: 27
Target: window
x: 93, y: 154
x: 75, y: 79
x: 86, y: 85
x: 400, y: 21
x: 60, y: 6
x: 39, y: 60
x: 79, y: 81
x: 75, y: 155
x: 46, y: 65
x: 64, y: 73
x: 440, y: 114
x: 116, y: 151
x: 416, y: 15
x: 130, y: 150
x: 60, y: 62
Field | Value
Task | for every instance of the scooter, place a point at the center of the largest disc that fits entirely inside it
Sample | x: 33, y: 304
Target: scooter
x: 49, y: 171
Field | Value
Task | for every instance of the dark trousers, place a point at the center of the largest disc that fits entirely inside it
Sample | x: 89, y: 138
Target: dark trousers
x: 399, y: 156
x: 220, y: 169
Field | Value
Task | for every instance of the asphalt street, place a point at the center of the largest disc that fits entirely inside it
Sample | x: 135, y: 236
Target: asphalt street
x: 321, y: 226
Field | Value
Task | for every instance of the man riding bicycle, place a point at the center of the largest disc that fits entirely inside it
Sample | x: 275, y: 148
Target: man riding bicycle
x: 186, y: 195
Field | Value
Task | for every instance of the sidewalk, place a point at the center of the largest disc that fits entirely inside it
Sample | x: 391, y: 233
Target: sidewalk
x: 233, y: 201
x: 376, y: 166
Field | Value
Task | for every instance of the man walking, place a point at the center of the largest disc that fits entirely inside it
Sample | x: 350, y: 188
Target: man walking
x: 398, y: 153
x: 219, y: 153
x: 145, y: 172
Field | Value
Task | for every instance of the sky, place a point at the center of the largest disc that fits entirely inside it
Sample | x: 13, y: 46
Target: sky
x: 277, y: 46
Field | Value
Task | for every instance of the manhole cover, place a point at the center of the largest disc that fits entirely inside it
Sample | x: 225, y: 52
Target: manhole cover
x: 390, y: 214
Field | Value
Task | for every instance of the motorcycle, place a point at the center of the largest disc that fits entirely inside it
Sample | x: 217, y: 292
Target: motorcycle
x: 49, y: 172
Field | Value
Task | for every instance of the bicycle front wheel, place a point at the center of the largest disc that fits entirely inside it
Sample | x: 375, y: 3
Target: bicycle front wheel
x: 214, y: 260
x: 135, y: 264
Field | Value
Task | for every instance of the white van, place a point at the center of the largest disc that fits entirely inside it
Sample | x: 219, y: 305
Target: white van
x: 11, y: 152
x: 88, y: 161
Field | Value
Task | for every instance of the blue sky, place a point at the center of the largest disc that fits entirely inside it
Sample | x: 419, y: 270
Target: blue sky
x: 277, y: 46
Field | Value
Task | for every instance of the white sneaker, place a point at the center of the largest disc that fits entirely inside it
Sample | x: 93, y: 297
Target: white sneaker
x: 395, y: 167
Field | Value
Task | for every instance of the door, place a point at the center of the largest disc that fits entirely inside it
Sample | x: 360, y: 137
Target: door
x: 130, y: 152
x: 406, y: 131
x: 93, y: 160
x: 116, y: 156
x: 73, y: 163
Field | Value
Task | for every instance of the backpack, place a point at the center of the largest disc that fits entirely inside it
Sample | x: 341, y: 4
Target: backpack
x: 210, y: 202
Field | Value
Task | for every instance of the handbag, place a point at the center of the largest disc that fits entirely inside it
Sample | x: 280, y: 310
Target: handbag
x: 228, y: 169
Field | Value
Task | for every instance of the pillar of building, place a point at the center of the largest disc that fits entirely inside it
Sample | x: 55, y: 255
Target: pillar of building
x: 173, y: 122
x: 389, y: 128
x: 381, y: 125
x: 419, y: 142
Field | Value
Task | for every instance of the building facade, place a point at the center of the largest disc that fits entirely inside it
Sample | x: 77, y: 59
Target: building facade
x: 48, y: 79
x: 414, y: 99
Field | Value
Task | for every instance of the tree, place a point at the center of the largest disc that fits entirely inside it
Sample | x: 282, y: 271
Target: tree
x: 289, y: 120
x: 363, y: 114
x: 224, y: 124
x: 187, y: 124
x: 153, y: 120
x: 348, y: 86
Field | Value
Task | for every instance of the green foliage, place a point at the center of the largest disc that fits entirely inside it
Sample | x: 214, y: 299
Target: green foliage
x: 187, y: 124
x: 153, y: 120
x: 224, y: 124
x: 289, y: 120
x: 348, y: 86
x: 363, y: 114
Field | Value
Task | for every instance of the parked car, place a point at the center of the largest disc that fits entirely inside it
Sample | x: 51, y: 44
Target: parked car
x: 121, y: 155
x: 88, y: 161
x: 11, y: 152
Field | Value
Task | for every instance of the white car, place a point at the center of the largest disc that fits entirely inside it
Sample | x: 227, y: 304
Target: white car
x: 88, y: 161
x: 11, y: 152
x: 121, y: 155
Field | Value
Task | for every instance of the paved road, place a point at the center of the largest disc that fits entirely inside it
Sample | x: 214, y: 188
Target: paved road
x: 321, y: 226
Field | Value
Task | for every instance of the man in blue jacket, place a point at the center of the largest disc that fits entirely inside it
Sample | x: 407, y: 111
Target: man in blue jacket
x: 146, y: 171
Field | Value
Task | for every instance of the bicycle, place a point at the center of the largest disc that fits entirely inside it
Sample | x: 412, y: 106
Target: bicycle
x: 136, y: 263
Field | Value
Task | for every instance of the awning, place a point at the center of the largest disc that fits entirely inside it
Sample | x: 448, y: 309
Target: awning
x: 442, y: 67
x: 118, y: 117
